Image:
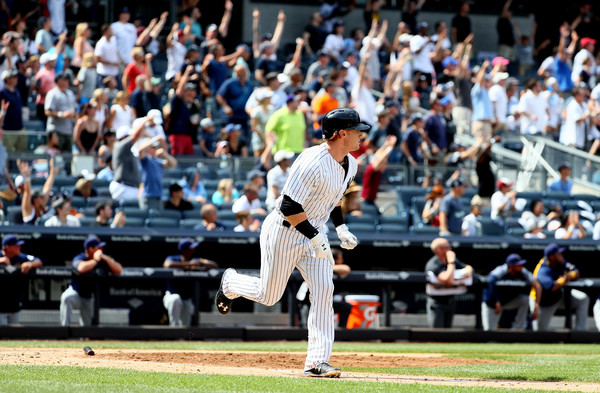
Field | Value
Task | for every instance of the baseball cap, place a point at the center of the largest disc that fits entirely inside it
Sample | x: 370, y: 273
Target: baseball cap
x: 515, y: 260
x: 292, y: 97
x: 11, y: 240
x: 265, y: 45
x: 322, y: 52
x: 92, y: 241
x: 476, y: 200
x: 189, y: 86
x: 206, y: 122
x: 270, y: 76
x: 404, y: 38
x: 266, y: 37
x: 123, y: 132
x: 500, y: 76
x: 87, y: 175
x: 456, y: 183
x: 417, y: 116
x: 124, y: 10
x: 47, y: 57
x: 155, y: 80
x: 263, y: 94
x: 19, y: 180
x: 551, y: 81
x: 232, y: 126
x: 156, y: 116
x: 338, y: 22
x: 585, y: 41
x: 193, y: 48
x: 423, y: 25
x: 448, y: 61
x: 283, y: 155
x: 500, y: 60
x: 9, y: 73
x: 187, y: 244
x: 391, y: 102
x: 552, y: 249
x: 503, y: 181
x: 212, y: 27
x: 564, y: 165
x: 445, y: 101
x: 254, y: 173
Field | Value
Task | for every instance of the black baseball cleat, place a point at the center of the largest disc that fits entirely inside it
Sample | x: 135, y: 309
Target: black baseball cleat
x: 222, y: 302
x: 323, y: 370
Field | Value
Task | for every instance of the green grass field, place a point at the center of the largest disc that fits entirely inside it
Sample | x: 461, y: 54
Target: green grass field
x: 558, y: 363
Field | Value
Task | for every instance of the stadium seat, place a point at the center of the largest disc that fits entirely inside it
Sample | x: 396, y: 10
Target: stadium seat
x: 589, y: 198
x: 424, y: 229
x: 530, y: 195
x: 97, y: 183
x: 406, y: 193
x: 490, y: 227
x: 369, y: 209
x: 401, y: 219
x: 78, y: 202
x: 91, y: 201
x: 416, y: 209
x: 226, y: 205
x: 162, y: 222
x: 392, y: 228
x: 88, y: 211
x: 361, y: 227
x: 130, y: 203
x: 86, y: 221
x: 226, y: 215
x: 556, y: 196
x: 134, y: 222
x: 135, y: 212
x: 516, y: 232
x: 14, y: 214
x: 229, y: 224
x: 165, y: 213
x: 194, y: 213
x: 513, y: 222
x: 189, y: 223
x: 65, y: 181
x: 470, y: 193
x: 363, y: 219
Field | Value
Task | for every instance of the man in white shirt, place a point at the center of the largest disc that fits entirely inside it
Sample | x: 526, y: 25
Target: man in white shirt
x: 503, y: 201
x: 277, y: 176
x: 499, y: 100
x: 421, y: 48
x: 363, y: 100
x: 588, y: 46
x: 573, y: 132
x: 56, y: 8
x: 107, y: 55
x: 555, y: 105
x: 126, y: 35
x: 249, y: 201
x: 533, y: 109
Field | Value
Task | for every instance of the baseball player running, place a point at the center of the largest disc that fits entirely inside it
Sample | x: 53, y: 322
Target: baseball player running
x: 293, y: 236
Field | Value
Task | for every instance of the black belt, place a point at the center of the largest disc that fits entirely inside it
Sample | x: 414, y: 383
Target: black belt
x: 286, y: 224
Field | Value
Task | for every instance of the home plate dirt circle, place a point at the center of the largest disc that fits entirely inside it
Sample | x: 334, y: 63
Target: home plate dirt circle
x: 286, y: 364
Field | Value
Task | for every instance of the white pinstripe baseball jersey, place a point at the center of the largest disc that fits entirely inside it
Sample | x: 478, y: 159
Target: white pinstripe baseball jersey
x: 318, y: 182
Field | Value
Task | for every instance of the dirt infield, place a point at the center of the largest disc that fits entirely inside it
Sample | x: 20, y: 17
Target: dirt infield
x: 281, y: 364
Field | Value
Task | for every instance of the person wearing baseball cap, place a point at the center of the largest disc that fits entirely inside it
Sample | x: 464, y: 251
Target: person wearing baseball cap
x: 178, y: 298
x: 277, y: 176
x: 61, y: 109
x: 563, y: 183
x: 588, y: 47
x: 80, y: 293
x: 553, y: 272
x: 412, y: 140
x: 452, y: 210
x: 12, y: 289
x: 503, y: 200
x: 509, y: 297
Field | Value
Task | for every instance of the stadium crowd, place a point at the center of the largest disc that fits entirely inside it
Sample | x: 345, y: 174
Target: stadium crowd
x: 124, y: 117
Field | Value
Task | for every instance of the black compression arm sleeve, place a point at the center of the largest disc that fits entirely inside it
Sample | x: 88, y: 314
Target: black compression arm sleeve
x: 290, y: 207
x: 336, y: 216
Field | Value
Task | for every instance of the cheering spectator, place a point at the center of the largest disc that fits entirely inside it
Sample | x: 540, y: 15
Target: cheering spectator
x: 121, y: 114
x: 107, y: 54
x: 126, y: 35
x: 184, y: 116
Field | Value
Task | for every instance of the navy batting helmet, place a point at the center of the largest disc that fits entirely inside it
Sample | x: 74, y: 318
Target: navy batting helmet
x: 341, y: 119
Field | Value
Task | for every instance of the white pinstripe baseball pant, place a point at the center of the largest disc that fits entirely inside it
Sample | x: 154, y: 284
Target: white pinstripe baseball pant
x: 282, y: 250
